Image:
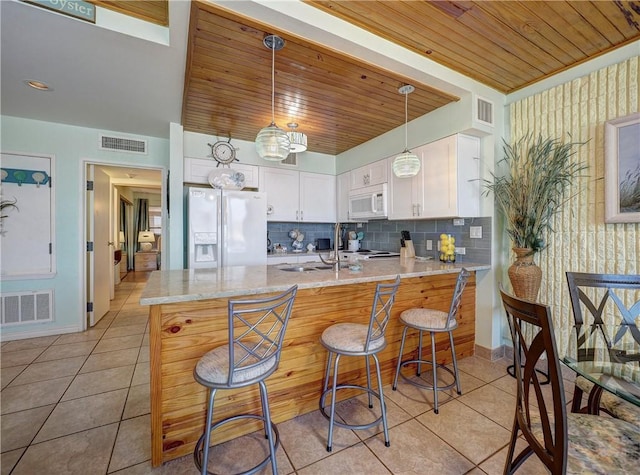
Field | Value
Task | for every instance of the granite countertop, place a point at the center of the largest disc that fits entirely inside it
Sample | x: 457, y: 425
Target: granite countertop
x: 188, y: 285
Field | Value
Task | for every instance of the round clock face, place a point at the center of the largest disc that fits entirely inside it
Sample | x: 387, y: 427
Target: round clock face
x: 223, y: 152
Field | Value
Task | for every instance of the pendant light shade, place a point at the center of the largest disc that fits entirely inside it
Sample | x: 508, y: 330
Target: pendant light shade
x: 298, y: 139
x: 272, y: 143
x: 406, y: 164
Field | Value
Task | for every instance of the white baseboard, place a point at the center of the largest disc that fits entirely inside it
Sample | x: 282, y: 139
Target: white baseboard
x: 41, y: 332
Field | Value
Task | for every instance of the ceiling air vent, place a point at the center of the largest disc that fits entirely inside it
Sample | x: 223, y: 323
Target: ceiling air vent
x: 122, y: 144
x: 484, y: 111
x: 291, y: 160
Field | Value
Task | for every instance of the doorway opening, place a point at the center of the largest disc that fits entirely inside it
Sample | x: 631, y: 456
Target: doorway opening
x: 117, y: 228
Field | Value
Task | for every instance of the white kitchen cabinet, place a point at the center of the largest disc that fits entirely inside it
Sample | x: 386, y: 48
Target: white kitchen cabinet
x: 371, y: 174
x: 448, y: 184
x: 196, y: 170
x: 302, y: 258
x: 299, y: 196
x: 452, y: 177
x: 343, y: 185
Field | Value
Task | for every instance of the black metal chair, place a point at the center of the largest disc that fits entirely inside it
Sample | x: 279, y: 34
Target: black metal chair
x: 598, y: 300
x: 356, y: 339
x: 256, y: 333
x: 565, y: 443
x: 433, y: 321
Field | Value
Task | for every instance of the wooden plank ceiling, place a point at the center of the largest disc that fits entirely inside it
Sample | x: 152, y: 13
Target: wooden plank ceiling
x: 340, y: 102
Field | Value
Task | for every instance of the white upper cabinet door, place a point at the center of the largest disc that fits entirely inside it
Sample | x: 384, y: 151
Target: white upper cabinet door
x: 452, y: 177
x: 405, y: 199
x: 343, y: 184
x: 196, y: 170
x: 317, y: 198
x: 283, y: 191
x: 371, y: 174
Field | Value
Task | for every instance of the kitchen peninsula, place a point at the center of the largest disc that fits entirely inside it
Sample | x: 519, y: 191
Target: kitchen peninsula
x: 188, y: 317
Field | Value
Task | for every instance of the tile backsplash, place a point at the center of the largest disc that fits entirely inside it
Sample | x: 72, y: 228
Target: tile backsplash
x: 384, y: 235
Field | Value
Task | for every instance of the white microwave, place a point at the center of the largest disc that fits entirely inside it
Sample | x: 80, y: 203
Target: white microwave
x: 368, y: 203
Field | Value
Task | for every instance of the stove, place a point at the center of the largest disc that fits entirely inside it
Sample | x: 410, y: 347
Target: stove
x: 371, y: 254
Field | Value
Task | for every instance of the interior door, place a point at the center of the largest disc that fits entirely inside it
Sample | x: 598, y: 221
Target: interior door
x: 100, y: 260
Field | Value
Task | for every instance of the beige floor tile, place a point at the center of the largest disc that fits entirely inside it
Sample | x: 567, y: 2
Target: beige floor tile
x: 127, y: 330
x: 181, y: 466
x: 70, y: 455
x: 495, y: 464
x: 92, y: 334
x: 141, y: 374
x: 469, y: 432
x: 20, y: 357
x: 138, y: 401
x: 494, y: 403
x: 357, y: 460
x: 82, y: 414
x: 126, y: 321
x: 241, y: 454
x: 49, y: 370
x: 28, y: 344
x: 70, y: 350
x: 415, y: 449
x: 121, y: 343
x: 110, y: 359
x: 99, y: 382
x: 28, y: 396
x: 416, y: 400
x: 19, y: 428
x: 8, y: 460
x: 143, y: 356
x: 356, y: 411
x: 475, y: 471
x: 133, y: 444
x: 9, y: 374
x: 305, y: 438
x: 145, y: 340
x: 138, y: 311
x: 484, y: 369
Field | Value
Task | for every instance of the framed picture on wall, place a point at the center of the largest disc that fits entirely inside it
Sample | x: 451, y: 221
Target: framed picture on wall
x: 622, y: 170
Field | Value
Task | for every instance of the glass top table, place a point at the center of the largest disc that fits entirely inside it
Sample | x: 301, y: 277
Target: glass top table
x: 614, y: 368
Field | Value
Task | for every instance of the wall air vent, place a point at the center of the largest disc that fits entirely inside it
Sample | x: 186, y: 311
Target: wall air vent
x: 19, y: 308
x: 291, y: 160
x: 122, y: 144
x: 484, y: 111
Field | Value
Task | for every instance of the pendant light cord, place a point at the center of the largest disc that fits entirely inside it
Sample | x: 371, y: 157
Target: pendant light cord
x: 406, y: 119
x: 273, y: 81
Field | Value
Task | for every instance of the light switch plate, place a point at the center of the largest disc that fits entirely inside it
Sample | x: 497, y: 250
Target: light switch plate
x: 458, y: 221
x: 475, y: 232
x: 429, y: 244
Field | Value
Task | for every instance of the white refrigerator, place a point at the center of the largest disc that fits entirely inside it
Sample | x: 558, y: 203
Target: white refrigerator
x: 226, y: 228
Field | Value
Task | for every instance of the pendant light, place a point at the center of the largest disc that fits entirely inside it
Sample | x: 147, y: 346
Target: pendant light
x: 298, y: 139
x: 272, y: 143
x: 406, y: 164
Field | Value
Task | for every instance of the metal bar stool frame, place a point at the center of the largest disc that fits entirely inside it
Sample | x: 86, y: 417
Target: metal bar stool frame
x: 449, y: 325
x: 373, y: 343
x: 256, y: 334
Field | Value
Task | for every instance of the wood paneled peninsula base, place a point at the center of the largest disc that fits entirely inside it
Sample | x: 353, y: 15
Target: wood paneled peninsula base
x: 188, y: 317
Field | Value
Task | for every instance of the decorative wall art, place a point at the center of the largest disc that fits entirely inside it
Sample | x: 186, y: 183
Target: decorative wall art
x: 622, y: 170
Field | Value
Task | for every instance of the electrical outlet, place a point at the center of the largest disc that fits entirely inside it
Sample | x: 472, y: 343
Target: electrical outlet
x: 429, y: 244
x: 438, y: 246
x: 458, y: 221
x: 358, y: 225
x: 475, y: 232
x: 461, y: 250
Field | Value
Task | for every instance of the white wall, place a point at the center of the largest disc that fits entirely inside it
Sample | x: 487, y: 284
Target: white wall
x: 72, y: 146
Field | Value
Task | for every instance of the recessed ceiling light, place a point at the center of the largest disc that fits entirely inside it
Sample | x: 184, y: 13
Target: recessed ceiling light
x: 39, y: 85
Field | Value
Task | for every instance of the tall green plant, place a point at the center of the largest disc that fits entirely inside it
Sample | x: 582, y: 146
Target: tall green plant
x: 539, y: 173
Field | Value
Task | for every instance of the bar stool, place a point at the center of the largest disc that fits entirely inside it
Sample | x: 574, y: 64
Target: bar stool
x: 355, y: 339
x: 256, y: 333
x: 433, y: 321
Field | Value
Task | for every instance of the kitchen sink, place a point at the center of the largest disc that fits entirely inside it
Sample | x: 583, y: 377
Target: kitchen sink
x: 298, y: 269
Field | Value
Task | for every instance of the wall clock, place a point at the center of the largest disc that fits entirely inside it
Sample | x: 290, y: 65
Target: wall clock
x: 223, y: 152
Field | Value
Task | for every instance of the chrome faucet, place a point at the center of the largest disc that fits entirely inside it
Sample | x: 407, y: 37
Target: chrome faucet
x: 335, y: 262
